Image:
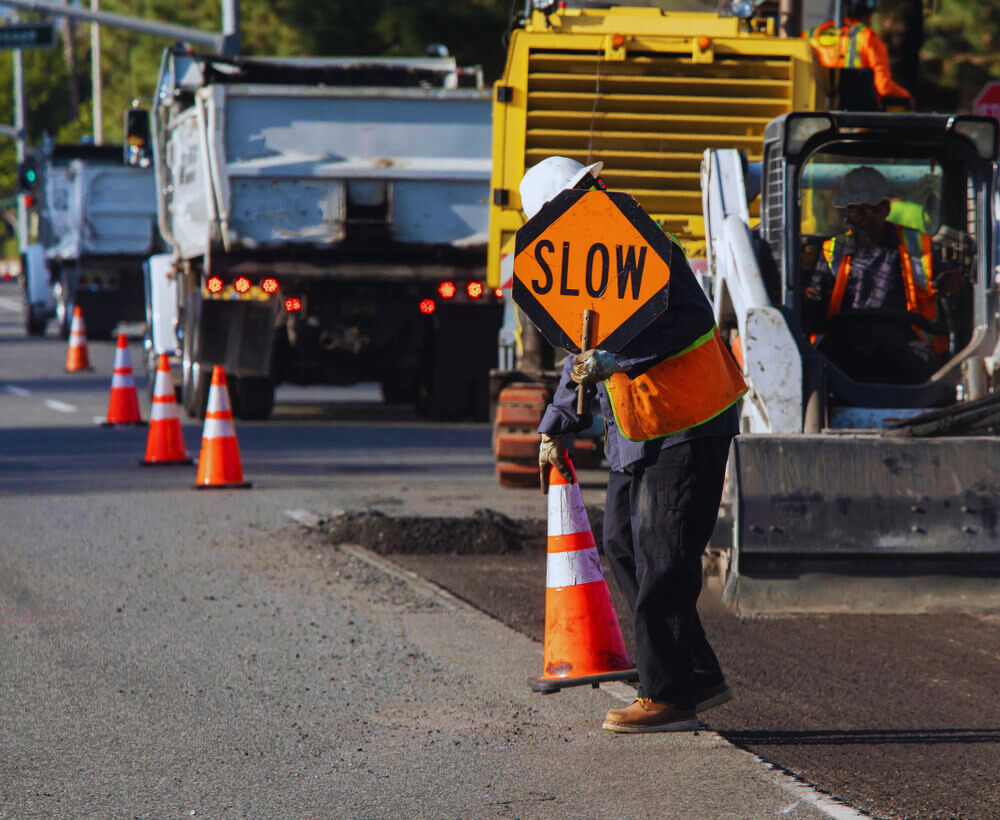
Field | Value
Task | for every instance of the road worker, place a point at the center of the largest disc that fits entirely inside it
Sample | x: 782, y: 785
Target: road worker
x: 883, y: 267
x: 856, y: 46
x: 669, y: 402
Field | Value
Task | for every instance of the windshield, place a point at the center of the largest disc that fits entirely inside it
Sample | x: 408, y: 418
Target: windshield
x: 914, y: 188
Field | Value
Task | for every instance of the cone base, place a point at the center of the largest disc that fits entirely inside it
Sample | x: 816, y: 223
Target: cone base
x: 123, y: 423
x: 244, y: 485
x: 549, y: 686
x: 79, y: 370
x: 175, y: 462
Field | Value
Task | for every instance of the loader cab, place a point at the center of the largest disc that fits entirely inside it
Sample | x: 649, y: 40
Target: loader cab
x: 940, y: 182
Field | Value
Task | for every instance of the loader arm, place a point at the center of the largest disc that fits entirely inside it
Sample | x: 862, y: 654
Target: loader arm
x: 772, y: 364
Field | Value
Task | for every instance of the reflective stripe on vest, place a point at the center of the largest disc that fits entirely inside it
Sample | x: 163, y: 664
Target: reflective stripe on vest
x: 837, y: 49
x: 683, y: 391
x: 916, y: 267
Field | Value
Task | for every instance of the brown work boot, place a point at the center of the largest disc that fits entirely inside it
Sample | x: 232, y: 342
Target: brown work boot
x: 712, y: 696
x: 645, y: 715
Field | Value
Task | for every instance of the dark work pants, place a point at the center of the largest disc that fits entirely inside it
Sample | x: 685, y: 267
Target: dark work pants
x: 658, y: 519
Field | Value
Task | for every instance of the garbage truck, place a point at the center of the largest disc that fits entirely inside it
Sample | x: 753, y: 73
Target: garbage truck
x: 644, y: 90
x: 856, y: 487
x: 327, y: 223
x: 94, y: 225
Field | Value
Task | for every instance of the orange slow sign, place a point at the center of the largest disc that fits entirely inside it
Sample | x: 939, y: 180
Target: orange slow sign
x: 591, y: 250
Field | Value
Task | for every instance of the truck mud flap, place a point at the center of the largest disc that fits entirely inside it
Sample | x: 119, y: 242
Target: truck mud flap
x: 853, y: 523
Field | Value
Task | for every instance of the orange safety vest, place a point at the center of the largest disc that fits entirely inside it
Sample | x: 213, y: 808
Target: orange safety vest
x: 682, y: 391
x: 855, y: 46
x: 916, y: 263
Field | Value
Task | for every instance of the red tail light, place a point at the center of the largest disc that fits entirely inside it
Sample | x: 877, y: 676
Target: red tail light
x: 427, y: 306
x: 269, y: 285
x: 214, y: 284
x: 293, y: 304
x: 447, y: 290
x: 242, y: 284
x: 498, y: 292
x: 474, y: 289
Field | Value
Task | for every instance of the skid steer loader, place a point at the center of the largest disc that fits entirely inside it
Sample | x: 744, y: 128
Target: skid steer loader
x: 850, y: 494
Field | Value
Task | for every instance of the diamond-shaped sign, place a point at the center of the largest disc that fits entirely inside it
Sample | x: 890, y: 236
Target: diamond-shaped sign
x: 592, y: 250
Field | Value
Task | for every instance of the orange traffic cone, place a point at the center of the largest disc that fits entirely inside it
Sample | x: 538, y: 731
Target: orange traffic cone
x: 583, y: 640
x: 165, y: 442
x: 76, y: 354
x: 123, y: 404
x: 219, y: 465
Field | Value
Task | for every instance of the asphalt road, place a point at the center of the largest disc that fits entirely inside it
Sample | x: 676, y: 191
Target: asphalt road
x: 166, y: 652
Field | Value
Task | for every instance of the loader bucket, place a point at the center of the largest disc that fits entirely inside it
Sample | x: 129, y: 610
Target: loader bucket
x: 863, y: 523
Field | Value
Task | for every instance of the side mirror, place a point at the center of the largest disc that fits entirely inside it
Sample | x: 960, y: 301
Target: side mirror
x: 138, y: 146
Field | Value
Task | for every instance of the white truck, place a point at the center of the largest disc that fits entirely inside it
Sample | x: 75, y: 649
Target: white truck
x: 95, y: 225
x: 327, y: 220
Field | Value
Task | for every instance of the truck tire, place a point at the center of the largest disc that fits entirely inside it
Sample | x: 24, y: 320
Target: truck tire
x: 195, y: 378
x: 252, y: 397
x: 33, y: 325
x: 64, y: 305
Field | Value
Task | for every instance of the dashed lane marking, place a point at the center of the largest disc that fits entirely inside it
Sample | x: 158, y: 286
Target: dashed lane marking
x: 14, y: 390
x: 13, y: 305
x: 60, y: 406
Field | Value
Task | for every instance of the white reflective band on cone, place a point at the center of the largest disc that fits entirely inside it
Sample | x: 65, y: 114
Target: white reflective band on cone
x: 219, y: 428
x: 566, y: 569
x: 122, y: 380
x: 218, y: 400
x: 163, y: 411
x: 122, y: 360
x: 163, y: 386
x: 567, y: 514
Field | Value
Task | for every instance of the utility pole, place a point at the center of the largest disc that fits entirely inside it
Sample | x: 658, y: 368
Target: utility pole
x: 20, y: 140
x: 96, y: 78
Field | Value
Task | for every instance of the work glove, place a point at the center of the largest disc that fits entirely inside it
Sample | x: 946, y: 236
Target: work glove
x: 550, y: 454
x: 593, y: 366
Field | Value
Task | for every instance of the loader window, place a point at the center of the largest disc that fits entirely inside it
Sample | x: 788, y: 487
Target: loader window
x: 914, y: 192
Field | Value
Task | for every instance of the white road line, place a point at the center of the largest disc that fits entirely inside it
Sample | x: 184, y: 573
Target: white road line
x: 14, y: 390
x: 14, y: 305
x: 60, y: 406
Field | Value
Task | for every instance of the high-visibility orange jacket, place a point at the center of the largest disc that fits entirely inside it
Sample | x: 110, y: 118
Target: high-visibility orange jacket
x: 858, y: 46
x: 916, y: 265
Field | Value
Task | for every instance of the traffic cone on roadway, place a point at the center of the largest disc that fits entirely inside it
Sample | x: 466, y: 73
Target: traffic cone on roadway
x: 123, y: 404
x: 219, y: 465
x: 76, y: 354
x: 583, y: 639
x: 165, y: 442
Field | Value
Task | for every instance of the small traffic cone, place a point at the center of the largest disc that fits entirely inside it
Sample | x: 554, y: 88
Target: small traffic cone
x: 165, y: 442
x: 219, y: 465
x: 76, y: 355
x: 123, y: 404
x: 583, y: 640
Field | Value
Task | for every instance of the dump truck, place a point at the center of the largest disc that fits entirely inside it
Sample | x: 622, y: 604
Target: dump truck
x: 645, y: 91
x: 849, y: 494
x: 327, y: 220
x: 95, y: 225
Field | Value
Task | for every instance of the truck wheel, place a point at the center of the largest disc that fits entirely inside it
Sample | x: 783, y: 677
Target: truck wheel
x: 194, y: 390
x: 253, y: 398
x: 64, y: 306
x: 33, y: 325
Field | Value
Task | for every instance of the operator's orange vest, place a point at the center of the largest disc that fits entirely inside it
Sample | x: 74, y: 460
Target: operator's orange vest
x: 916, y: 263
x: 683, y: 391
x: 837, y: 49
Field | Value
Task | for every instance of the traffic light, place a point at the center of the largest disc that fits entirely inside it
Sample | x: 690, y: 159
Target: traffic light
x: 27, y: 175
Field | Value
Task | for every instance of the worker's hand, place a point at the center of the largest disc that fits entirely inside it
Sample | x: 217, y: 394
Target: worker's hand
x: 814, y: 291
x: 949, y: 282
x: 550, y: 454
x: 593, y: 366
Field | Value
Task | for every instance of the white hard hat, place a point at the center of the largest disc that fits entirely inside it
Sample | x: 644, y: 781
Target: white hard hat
x: 861, y: 186
x: 552, y: 175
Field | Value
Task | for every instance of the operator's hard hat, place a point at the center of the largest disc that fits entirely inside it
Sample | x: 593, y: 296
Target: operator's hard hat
x: 861, y: 186
x: 542, y: 182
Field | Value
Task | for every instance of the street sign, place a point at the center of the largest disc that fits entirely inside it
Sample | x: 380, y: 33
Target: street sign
x: 987, y: 102
x: 27, y: 35
x: 597, y: 251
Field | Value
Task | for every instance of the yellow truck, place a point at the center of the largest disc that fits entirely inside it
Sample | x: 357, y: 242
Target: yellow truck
x: 645, y: 91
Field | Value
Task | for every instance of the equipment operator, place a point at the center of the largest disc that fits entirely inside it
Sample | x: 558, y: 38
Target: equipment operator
x: 669, y: 399
x: 874, y: 271
x: 856, y: 46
